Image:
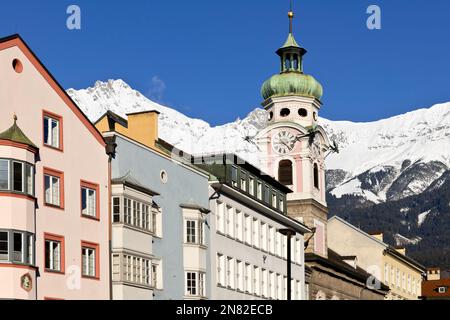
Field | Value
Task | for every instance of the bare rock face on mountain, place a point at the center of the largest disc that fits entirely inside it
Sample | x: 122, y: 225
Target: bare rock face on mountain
x: 381, y: 165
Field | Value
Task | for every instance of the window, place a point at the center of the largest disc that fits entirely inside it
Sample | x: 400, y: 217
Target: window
x: 256, y: 281
x: 155, y: 283
x: 230, y: 221
x: 274, y: 200
x: 18, y: 176
x: 386, y: 273
x: 272, y: 285
x: 90, y: 260
x: 4, y: 174
x: 409, y: 283
x: 116, y: 210
x: 239, y: 275
x: 30, y: 250
x: 259, y: 191
x: 230, y: 273
x: 285, y: 112
x: 54, y: 253
x: 248, y: 230
x: 414, y: 286
x: 251, y: 186
x: 195, y: 284
x: 248, y: 278
x: 256, y: 233
x: 90, y: 200
x: 220, y: 270
x: 116, y: 263
x: 271, y: 240
x: 283, y: 246
x: 278, y: 244
x: 146, y: 218
x: 267, y: 194
x: 239, y: 229
x: 263, y: 236
x: 264, y: 287
x: 234, y: 176
x: 285, y: 172
x: 136, y: 214
x: 398, y: 279
x: 279, y: 287
x: 298, y: 251
x: 316, y: 176
x: 302, y: 112
x: 52, y: 131
x: 155, y: 216
x: 220, y: 217
x: 404, y: 282
x: 442, y: 290
x: 18, y: 249
x: 4, y: 246
x: 281, y: 203
x: 54, y: 188
x: 243, y: 181
x: 191, y: 229
x: 127, y: 211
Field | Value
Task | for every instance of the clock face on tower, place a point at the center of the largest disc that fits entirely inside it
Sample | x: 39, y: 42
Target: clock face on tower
x: 284, y: 142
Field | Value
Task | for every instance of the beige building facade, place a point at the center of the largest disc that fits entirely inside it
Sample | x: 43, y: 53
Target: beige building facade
x: 391, y: 266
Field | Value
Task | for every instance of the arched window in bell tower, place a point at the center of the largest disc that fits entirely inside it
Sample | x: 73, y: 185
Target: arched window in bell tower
x: 316, y: 176
x: 296, y: 66
x: 285, y: 172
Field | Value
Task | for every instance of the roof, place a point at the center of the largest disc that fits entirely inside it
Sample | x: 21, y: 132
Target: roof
x: 129, y: 181
x: 15, y: 134
x: 337, y: 263
x: 17, y: 41
x: 430, y: 289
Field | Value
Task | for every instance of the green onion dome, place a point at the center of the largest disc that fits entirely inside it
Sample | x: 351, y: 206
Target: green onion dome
x: 292, y: 83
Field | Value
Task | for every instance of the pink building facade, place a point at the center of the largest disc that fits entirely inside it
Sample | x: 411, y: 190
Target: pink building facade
x: 54, y: 187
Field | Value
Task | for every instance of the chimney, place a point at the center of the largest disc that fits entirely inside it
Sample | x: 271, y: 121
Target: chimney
x: 433, y: 274
x: 143, y: 127
x: 377, y: 235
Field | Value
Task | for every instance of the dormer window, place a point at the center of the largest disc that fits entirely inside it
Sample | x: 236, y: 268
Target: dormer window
x: 442, y: 290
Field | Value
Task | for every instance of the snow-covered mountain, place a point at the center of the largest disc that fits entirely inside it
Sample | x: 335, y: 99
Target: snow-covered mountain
x: 384, y: 160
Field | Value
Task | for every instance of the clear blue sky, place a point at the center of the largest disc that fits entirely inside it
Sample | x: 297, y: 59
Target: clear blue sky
x: 213, y: 55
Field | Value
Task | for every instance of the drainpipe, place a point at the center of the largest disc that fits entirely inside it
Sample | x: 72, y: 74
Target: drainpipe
x: 111, y: 146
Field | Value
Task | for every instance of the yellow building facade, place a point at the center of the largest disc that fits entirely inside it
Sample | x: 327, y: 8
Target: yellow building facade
x: 389, y: 265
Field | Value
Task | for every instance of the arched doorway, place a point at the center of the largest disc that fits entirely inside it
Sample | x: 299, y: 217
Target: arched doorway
x: 285, y: 172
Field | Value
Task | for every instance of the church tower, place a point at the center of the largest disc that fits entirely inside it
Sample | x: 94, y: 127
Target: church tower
x: 293, y: 145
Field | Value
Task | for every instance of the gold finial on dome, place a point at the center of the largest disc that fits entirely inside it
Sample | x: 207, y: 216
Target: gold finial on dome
x: 291, y: 17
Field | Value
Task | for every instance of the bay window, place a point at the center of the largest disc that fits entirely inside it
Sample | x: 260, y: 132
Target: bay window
x: 135, y: 213
x: 195, y: 284
x: 194, y: 232
x: 16, y: 176
x: 4, y: 248
x: 4, y: 174
x: 17, y: 247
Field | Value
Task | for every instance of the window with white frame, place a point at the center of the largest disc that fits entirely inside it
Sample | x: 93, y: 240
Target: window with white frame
x: 409, y: 283
x: 285, y: 288
x: 248, y: 278
x: 146, y: 218
x: 298, y: 251
x: 16, y: 176
x: 230, y: 221
x: 272, y: 285
x: 88, y: 202
x: 116, y: 210
x: 134, y: 269
x: 239, y: 228
x: 256, y: 281
x: 248, y: 229
x: 234, y: 176
x: 264, y: 287
x: 220, y: 221
x: 404, y: 282
x: 281, y: 204
x: 51, y: 132
x: 259, y: 190
x: 279, y: 287
x: 128, y: 211
x: 4, y: 175
x: 89, y: 257
x: 274, y: 200
x: 17, y: 247
x: 267, y: 194
x: 195, y: 284
x: 243, y: 181
x: 52, y: 190
x: 135, y: 213
x: 195, y: 232
x: 398, y: 279
x: 230, y: 273
x: 271, y: 240
x: 263, y: 236
x: 414, y: 290
x: 221, y: 269
x: 278, y: 244
x: 251, y: 186
x: 53, y: 255
x: 256, y: 231
x: 239, y: 275
x: 392, y: 276
x: 284, y: 246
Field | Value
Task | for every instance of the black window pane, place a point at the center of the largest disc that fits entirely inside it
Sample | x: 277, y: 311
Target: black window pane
x: 18, y: 177
x: 46, y: 131
x: 47, y: 254
x: 18, y: 242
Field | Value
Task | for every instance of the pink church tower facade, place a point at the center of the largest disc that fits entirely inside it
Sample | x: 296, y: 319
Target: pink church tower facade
x: 293, y: 146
